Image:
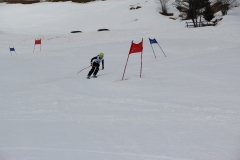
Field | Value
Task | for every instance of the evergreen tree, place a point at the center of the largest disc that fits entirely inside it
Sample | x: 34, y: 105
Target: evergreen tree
x: 208, y: 14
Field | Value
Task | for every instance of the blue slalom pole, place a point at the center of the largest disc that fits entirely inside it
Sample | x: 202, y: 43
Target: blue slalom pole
x: 153, y: 51
x: 162, y: 50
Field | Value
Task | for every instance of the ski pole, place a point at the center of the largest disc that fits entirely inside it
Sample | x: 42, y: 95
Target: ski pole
x: 83, y: 69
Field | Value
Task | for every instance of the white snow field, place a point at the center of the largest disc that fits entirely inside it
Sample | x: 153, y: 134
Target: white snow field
x: 186, y: 106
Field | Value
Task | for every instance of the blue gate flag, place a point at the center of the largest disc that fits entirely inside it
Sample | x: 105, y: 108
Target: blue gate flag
x: 12, y: 49
x: 153, y: 41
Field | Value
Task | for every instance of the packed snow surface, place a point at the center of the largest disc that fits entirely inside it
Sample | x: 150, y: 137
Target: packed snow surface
x: 186, y: 106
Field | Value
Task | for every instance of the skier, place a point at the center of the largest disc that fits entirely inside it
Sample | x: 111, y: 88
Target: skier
x: 95, y: 63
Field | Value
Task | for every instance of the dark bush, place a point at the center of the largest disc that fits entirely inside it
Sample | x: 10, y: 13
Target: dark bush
x: 76, y: 32
x: 103, y: 30
x: 166, y: 14
x: 82, y: 1
x: 208, y: 13
x: 24, y: 1
x: 37, y: 1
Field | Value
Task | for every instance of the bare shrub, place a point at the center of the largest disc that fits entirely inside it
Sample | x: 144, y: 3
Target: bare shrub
x: 164, y: 6
x: 226, y: 5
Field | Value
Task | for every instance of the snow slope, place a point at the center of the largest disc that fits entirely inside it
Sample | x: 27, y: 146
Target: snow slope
x: 186, y: 106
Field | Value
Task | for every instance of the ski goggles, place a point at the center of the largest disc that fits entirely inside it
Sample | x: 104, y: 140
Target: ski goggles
x: 100, y: 57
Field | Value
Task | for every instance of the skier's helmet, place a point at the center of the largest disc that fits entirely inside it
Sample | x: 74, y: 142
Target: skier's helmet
x: 101, y: 55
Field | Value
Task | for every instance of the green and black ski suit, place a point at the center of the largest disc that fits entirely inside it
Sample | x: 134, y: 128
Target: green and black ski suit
x: 95, y: 63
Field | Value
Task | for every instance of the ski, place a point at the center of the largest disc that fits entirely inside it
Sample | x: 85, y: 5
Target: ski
x: 91, y: 77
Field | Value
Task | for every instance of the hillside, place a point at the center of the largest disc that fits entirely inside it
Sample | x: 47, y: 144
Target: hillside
x: 186, y: 106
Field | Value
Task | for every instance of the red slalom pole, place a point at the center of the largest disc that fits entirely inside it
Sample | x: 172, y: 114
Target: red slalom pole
x: 127, y: 61
x: 141, y: 61
x: 125, y: 67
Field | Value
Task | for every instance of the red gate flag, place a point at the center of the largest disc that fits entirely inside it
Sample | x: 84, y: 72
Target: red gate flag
x: 136, y: 48
x: 38, y: 41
